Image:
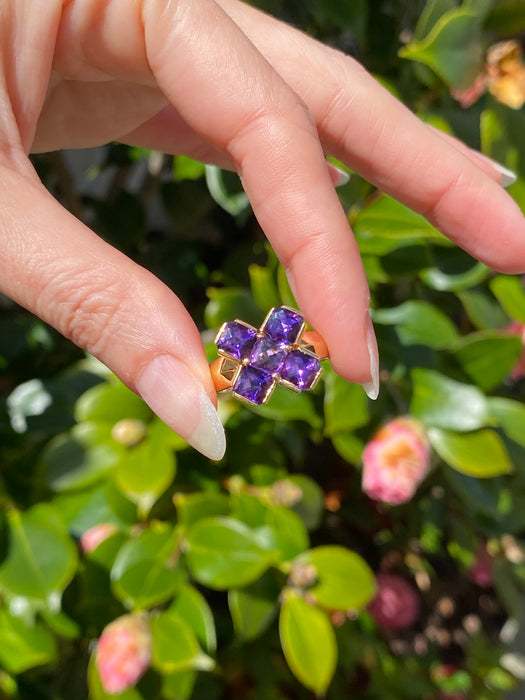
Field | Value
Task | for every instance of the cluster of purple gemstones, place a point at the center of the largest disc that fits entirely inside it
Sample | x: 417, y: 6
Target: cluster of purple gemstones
x: 268, y: 356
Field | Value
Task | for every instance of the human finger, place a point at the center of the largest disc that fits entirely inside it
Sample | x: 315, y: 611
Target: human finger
x: 242, y: 106
x: 367, y: 128
x: 56, y: 267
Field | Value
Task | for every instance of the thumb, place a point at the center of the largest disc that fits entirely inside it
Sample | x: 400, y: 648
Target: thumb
x: 60, y: 270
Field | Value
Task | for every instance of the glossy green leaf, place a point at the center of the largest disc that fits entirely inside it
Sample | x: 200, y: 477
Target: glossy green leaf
x: 284, y: 532
x: 192, y: 507
x: 185, y: 168
x: 28, y: 399
x: 146, y: 570
x: 254, y: 607
x: 349, y: 447
x: 511, y: 294
x: 287, y: 405
x: 437, y: 279
x: 175, y: 645
x: 481, y: 453
x: 264, y: 287
x: 308, y: 643
x: 345, y: 405
x: 452, y: 48
x: 191, y: 606
x: 484, y: 312
x: 488, y: 356
x: 178, y: 686
x: 344, y: 579
x: 432, y: 12
x: 81, y: 457
x: 144, y: 472
x: 23, y: 647
x: 441, y: 402
x: 229, y: 303
x: 419, y: 323
x: 235, y: 202
x: 310, y: 507
x: 223, y: 552
x: 41, y: 558
x: 249, y: 509
x: 385, y: 225
x: 110, y: 402
x: 510, y: 416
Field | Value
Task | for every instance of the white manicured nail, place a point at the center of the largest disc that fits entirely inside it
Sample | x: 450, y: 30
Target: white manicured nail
x: 372, y: 387
x: 178, y: 398
x: 338, y: 176
x: 508, y: 177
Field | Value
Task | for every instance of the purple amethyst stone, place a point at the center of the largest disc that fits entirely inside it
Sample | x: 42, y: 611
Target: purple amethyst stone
x: 254, y: 385
x: 301, y: 369
x: 267, y: 355
x: 235, y: 340
x: 284, y: 325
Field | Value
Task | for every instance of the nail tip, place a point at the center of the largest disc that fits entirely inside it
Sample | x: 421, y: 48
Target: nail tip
x: 371, y: 389
x: 508, y: 178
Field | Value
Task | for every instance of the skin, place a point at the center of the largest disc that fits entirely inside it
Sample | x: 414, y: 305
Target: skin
x: 224, y: 83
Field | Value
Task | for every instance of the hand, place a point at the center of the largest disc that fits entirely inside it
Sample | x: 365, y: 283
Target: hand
x: 224, y: 83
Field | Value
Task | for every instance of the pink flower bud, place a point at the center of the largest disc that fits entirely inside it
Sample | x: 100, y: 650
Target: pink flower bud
x: 468, y: 96
x: 396, y: 605
x: 395, y: 461
x: 480, y: 572
x: 123, y: 653
x: 91, y: 539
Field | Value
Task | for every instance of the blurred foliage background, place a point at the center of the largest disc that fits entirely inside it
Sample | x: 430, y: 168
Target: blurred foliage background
x: 253, y: 578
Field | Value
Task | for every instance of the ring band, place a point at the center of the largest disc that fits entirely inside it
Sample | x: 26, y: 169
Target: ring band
x: 252, y: 362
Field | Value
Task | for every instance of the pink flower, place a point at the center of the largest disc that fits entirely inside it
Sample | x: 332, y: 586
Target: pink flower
x: 91, y: 539
x: 395, y: 461
x: 517, y: 328
x: 480, y: 572
x: 123, y: 653
x: 468, y: 96
x: 396, y: 605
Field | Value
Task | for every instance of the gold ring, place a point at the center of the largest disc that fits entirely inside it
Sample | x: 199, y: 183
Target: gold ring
x: 253, y: 361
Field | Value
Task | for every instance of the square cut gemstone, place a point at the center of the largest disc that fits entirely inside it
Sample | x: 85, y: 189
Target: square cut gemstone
x: 267, y: 355
x: 235, y: 340
x: 301, y: 369
x: 254, y: 385
x: 284, y: 325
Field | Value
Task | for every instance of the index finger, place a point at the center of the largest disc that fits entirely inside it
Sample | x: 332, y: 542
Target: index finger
x: 230, y: 94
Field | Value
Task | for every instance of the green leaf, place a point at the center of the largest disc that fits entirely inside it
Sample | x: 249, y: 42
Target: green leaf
x: 507, y: 18
x: 385, y: 225
x: 481, y: 453
x: 432, y: 12
x: 223, y: 552
x: 144, y: 472
x: 344, y: 579
x: 510, y: 416
x: 284, y: 532
x: 185, y: 168
x: 308, y: 643
x: 191, y: 606
x: 345, y: 405
x: 453, y: 48
x: 287, y: 405
x: 28, y: 399
x: 484, y: 312
x: 488, y: 356
x: 175, y: 645
x: 419, y: 323
x: 110, y: 402
x: 349, y: 447
x: 178, y: 686
x: 41, y: 558
x: 441, y: 402
x: 234, y: 202
x: 23, y: 647
x: 254, y: 607
x: 229, y: 303
x: 311, y: 506
x: 192, y: 507
x: 146, y: 570
x: 80, y: 457
x: 264, y: 287
x: 437, y: 279
x: 511, y: 295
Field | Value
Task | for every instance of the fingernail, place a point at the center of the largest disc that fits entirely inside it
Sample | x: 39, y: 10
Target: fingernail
x: 508, y: 177
x: 372, y: 387
x: 338, y: 176
x: 173, y: 393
